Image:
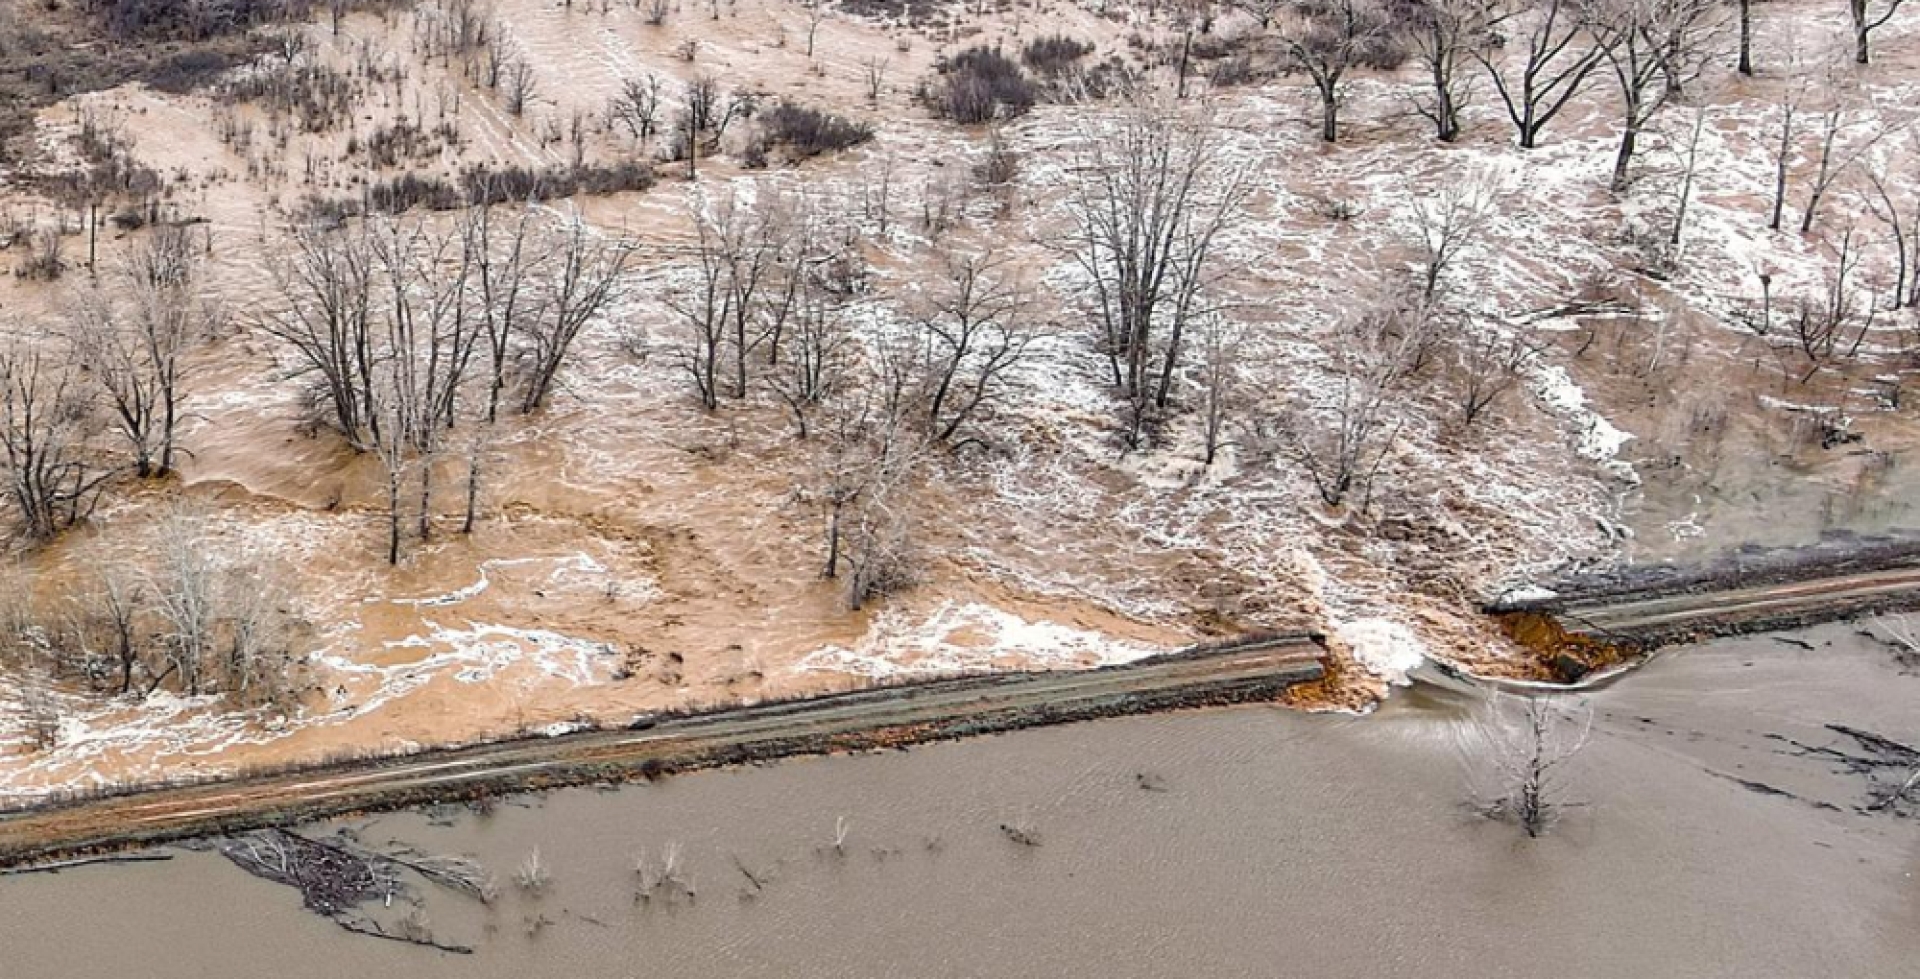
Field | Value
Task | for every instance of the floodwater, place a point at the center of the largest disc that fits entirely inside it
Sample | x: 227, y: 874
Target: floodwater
x: 1243, y: 842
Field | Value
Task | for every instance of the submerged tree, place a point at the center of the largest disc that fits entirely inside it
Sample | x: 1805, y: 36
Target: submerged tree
x: 53, y: 475
x: 1527, y: 745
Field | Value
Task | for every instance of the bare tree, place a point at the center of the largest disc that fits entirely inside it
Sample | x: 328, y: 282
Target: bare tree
x: 185, y: 587
x: 1558, y: 57
x: 737, y: 260
x: 1327, y: 41
x: 1446, y: 36
x: 326, y: 317
x: 135, y: 354
x: 1796, y: 91
x: 520, y: 84
x: 1902, y: 224
x: 1342, y: 435
x: 1746, y: 37
x: 53, y: 475
x: 1220, y: 379
x: 820, y: 356
x: 1821, y: 323
x: 505, y: 264
x: 587, y: 278
x: 870, y: 457
x: 1689, y: 152
x: 1149, y: 205
x: 1491, y: 364
x: 1449, y: 223
x: 873, y: 73
x: 817, y: 13
x: 1867, y: 17
x: 1847, y: 133
x: 106, y: 621
x: 975, y: 328
x: 1656, y: 49
x: 1529, y: 747
x: 638, y: 106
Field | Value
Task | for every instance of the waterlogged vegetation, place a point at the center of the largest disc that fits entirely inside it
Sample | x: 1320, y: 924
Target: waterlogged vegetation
x: 380, y: 374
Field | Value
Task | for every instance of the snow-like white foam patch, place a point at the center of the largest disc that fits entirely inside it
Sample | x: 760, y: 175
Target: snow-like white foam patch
x: 580, y: 563
x: 1529, y: 593
x: 1383, y: 647
x: 1598, y: 439
x: 969, y: 636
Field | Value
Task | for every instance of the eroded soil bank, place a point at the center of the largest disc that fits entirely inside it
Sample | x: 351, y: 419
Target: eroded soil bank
x: 1248, y: 841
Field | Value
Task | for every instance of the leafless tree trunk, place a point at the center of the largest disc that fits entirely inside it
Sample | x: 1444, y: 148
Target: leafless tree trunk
x: 1901, y: 223
x: 817, y: 13
x: 1867, y: 17
x: 1342, y: 439
x: 819, y: 357
x: 870, y: 458
x: 1558, y: 57
x: 328, y: 320
x: 1820, y: 324
x: 1689, y: 169
x: 107, y: 621
x: 638, y: 106
x: 974, y: 330
x: 520, y: 82
x: 1447, y: 35
x: 1220, y: 382
x: 505, y: 265
x: 135, y: 355
x: 1491, y: 364
x: 1656, y: 48
x: 1839, y: 152
x: 1327, y: 41
x: 1449, y: 223
x: 1746, y: 37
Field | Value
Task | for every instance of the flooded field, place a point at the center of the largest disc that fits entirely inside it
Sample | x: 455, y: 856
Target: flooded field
x: 1225, y: 843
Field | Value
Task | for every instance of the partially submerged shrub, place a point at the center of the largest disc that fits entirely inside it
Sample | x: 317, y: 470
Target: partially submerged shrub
x: 1049, y: 56
x: 979, y: 85
x: 499, y: 185
x: 810, y: 132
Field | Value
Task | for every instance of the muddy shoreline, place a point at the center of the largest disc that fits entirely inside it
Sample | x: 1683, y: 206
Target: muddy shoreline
x: 1257, y: 669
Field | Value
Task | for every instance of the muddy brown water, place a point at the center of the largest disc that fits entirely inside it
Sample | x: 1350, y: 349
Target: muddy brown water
x: 1265, y: 843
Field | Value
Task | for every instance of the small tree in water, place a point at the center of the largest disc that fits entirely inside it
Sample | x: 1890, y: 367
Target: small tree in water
x: 1526, y: 745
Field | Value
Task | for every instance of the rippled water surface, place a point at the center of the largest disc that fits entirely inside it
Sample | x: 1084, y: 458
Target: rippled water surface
x: 1245, y: 842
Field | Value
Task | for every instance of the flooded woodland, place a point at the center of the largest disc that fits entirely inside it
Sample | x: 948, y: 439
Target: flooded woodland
x: 383, y: 376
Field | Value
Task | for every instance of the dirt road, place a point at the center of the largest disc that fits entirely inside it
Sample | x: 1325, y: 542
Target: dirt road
x: 889, y: 717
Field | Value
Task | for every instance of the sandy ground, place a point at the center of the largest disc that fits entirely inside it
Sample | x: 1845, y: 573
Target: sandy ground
x: 635, y: 553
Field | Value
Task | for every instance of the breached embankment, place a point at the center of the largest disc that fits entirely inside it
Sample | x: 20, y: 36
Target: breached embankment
x: 1595, y: 622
